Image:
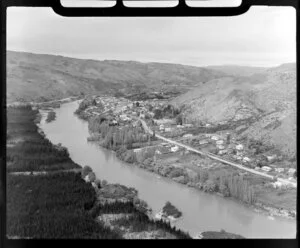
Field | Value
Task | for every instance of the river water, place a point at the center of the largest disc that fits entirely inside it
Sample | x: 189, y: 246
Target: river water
x: 201, y: 211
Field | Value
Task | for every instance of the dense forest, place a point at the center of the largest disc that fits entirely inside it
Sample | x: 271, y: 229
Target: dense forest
x: 28, y: 149
x: 52, y: 206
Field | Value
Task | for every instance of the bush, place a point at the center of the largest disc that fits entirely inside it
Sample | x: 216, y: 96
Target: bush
x: 104, y: 183
x: 85, y: 171
x: 203, y: 176
x: 210, y: 186
x: 176, y: 172
x: 92, y: 177
x: 98, y: 183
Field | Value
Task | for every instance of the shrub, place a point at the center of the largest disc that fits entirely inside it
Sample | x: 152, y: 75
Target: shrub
x: 85, y: 171
x: 210, y: 186
x: 92, y: 177
x: 98, y: 183
x: 103, y: 183
x: 176, y: 172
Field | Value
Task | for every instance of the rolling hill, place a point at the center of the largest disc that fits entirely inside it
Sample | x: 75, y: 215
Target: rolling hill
x: 238, y: 70
x: 268, y: 98
x: 38, y: 77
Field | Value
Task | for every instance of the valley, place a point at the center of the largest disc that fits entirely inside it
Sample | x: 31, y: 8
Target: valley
x: 222, y: 130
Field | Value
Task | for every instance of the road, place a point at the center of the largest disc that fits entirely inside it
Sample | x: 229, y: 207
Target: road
x: 214, y: 157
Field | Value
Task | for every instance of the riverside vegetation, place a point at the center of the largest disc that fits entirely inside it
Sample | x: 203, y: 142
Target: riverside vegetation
x: 51, y: 205
x: 124, y: 139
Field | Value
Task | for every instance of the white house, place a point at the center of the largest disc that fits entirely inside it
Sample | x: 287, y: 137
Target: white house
x: 221, y: 147
x: 246, y: 159
x: 277, y: 184
x: 266, y: 168
x: 202, y: 142
x: 174, y: 148
x: 168, y: 129
x: 279, y: 170
x: 214, y: 137
x: 188, y: 135
x: 271, y: 158
x: 291, y: 171
x: 239, y: 147
x: 221, y: 152
x: 220, y: 142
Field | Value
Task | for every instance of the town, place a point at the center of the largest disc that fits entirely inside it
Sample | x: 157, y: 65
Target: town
x: 192, y: 149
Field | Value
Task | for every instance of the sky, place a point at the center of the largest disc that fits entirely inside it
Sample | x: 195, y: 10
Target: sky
x: 263, y: 36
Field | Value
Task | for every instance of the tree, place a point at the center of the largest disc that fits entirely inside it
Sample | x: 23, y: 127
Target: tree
x: 228, y: 139
x: 104, y: 183
x: 91, y: 177
x: 98, y: 183
x: 85, y: 171
x: 179, y: 120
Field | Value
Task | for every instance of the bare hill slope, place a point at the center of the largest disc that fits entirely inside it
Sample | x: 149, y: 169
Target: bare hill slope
x: 39, y: 77
x: 269, y: 98
x: 238, y: 70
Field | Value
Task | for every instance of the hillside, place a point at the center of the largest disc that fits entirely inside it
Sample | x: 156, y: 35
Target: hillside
x: 268, y: 99
x: 46, y: 77
x: 236, y: 70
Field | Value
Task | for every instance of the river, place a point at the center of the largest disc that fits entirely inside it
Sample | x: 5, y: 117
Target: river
x: 201, y: 211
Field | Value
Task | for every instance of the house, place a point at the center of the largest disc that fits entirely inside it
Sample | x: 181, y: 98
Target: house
x: 271, y: 158
x: 237, y: 157
x: 202, y: 142
x: 266, y: 168
x: 174, y: 149
x: 161, y: 127
x: 279, y: 170
x: 214, y: 137
x: 239, y: 147
x: 207, y: 125
x: 291, y: 171
x: 188, y: 125
x: 256, y: 168
x: 277, y: 184
x: 180, y: 126
x: 168, y: 129
x: 221, y: 147
x: 220, y: 142
x: 137, y: 149
x: 188, y: 135
x: 221, y: 152
x: 246, y: 159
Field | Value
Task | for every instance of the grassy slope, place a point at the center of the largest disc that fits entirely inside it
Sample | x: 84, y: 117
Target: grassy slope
x: 33, y: 76
x: 270, y: 97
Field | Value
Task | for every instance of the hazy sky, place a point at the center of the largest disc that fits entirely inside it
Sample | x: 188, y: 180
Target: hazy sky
x: 264, y: 36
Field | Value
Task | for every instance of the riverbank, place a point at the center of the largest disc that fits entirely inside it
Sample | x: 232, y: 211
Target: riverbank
x: 190, y: 178
x: 48, y: 197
